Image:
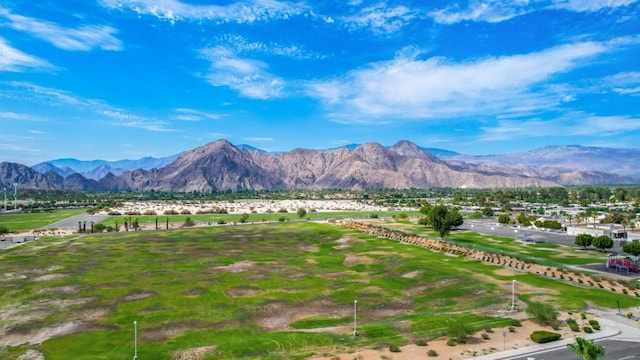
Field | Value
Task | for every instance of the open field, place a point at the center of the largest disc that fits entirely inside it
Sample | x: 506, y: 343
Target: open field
x: 30, y: 221
x: 278, y: 291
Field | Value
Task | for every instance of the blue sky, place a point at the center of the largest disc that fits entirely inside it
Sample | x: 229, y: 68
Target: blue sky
x: 123, y: 79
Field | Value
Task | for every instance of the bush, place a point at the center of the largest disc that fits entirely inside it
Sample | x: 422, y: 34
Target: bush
x: 516, y: 322
x: 486, y: 336
x: 594, y: 324
x: 512, y: 329
x: 188, y: 222
x: 573, y: 324
x: 394, y: 348
x: 542, y: 313
x: 170, y: 212
x: 542, y: 337
x: 452, y: 342
x: 459, y: 329
x: 583, y: 316
x: 3, y: 230
x: 421, y: 342
x: 587, y: 329
x: 282, y: 219
x: 185, y: 212
x: 432, y: 353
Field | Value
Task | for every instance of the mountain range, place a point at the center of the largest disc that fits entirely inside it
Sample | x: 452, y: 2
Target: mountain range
x: 222, y: 166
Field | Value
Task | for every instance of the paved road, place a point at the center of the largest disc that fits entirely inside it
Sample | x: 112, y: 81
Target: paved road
x: 616, y: 350
x: 72, y: 222
x: 484, y: 226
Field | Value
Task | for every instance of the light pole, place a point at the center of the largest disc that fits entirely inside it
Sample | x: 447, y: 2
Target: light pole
x: 5, y: 199
x: 513, y: 295
x: 15, y: 196
x: 135, y: 340
x: 355, y: 317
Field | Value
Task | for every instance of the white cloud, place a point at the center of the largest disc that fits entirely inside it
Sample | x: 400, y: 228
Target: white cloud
x: 20, y: 117
x: 498, y: 11
x: 590, y: 5
x: 83, y: 38
x: 239, y: 12
x: 14, y: 60
x: 627, y: 83
x: 239, y: 44
x: 381, y: 18
x: 407, y: 87
x: 573, y: 124
x: 95, y: 109
x: 247, y: 76
x: 259, y: 139
x: 195, y: 115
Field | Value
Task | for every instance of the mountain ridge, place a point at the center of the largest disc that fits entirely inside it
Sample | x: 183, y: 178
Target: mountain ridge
x: 222, y: 166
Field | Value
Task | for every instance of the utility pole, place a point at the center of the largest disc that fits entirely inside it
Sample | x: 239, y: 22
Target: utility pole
x: 15, y: 196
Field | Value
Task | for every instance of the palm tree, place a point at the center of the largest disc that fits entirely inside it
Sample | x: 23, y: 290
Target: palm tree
x: 587, y: 349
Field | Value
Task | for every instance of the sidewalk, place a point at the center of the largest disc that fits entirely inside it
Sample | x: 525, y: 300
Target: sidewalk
x: 612, y: 325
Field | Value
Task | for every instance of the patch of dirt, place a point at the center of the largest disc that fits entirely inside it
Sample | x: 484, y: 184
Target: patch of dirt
x: 335, y: 275
x: 137, y: 296
x: 413, y: 274
x: 31, y: 355
x: 507, y: 272
x: 310, y: 248
x: 344, y: 243
x: 243, y: 291
x: 193, y: 354
x: 237, y: 267
x: 353, y: 260
x: 295, y: 275
x: 60, y: 290
x: 50, y: 277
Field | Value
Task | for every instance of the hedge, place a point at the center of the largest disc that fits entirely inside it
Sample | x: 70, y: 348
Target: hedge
x: 542, y: 337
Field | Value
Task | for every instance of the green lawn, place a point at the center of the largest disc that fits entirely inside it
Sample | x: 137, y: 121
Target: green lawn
x: 543, y: 253
x: 215, y: 218
x: 22, y: 222
x: 248, y: 290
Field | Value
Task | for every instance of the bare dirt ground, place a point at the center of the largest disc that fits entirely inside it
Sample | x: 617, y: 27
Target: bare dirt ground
x: 500, y: 339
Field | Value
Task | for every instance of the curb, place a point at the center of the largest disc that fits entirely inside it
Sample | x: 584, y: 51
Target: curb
x: 533, y: 349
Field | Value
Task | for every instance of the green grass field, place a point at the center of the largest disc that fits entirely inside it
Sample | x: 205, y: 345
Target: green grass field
x: 253, y: 217
x: 249, y: 291
x: 22, y: 222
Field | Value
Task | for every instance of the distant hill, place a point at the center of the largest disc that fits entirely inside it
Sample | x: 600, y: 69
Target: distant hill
x: 221, y: 166
x: 97, y: 169
x: 625, y: 162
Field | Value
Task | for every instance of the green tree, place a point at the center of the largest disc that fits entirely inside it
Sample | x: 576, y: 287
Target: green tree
x: 504, y: 218
x: 602, y: 243
x: 542, y: 313
x: 488, y: 211
x: 443, y: 220
x: 587, y: 349
x: 584, y: 240
x: 188, y: 222
x: 459, y: 329
x: 3, y: 230
x: 632, y: 248
x: 524, y: 219
x: 302, y: 212
x: 244, y: 217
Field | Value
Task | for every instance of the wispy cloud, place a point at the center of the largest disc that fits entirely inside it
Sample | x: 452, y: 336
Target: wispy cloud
x: 408, y: 87
x: 195, y: 115
x: 83, y: 38
x: 627, y: 83
x: 14, y: 60
x: 21, y: 117
x: 572, y: 124
x: 238, y: 12
x: 95, y: 108
x: 240, y: 44
x: 498, y: 11
x: 259, y: 139
x: 247, y: 76
x: 381, y: 18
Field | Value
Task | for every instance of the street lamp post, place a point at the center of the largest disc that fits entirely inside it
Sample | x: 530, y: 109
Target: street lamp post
x: 355, y: 311
x: 5, y: 199
x: 513, y: 295
x: 135, y: 340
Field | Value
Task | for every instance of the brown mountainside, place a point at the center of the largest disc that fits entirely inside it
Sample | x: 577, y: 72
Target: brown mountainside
x: 221, y: 166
